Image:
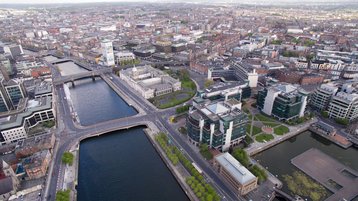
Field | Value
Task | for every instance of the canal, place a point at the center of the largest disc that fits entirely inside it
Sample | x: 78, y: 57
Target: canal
x: 278, y: 158
x: 123, y: 165
x: 94, y: 101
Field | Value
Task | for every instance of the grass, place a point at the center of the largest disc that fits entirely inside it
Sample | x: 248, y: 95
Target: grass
x: 302, y: 185
x: 256, y: 130
x: 248, y: 128
x: 262, y: 118
x: 281, y: 130
x: 264, y: 137
x: 188, y: 87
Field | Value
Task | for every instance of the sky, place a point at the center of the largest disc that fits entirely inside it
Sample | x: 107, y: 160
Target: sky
x: 174, y: 1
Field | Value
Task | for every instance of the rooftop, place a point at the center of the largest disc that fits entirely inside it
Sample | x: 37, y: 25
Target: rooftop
x: 236, y: 170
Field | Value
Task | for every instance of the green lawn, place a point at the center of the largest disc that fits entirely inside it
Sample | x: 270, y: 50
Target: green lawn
x: 281, y: 130
x: 248, y: 128
x: 264, y: 137
x: 171, y: 100
x: 255, y: 130
x: 271, y: 124
x: 262, y: 117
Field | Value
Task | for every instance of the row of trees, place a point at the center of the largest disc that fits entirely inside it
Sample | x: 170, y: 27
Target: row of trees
x: 243, y: 158
x: 200, y: 187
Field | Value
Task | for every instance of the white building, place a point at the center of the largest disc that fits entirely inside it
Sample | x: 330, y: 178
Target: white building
x: 107, y: 51
x: 16, y: 126
x: 322, y: 96
x: 341, y: 101
x: 344, y: 106
x: 149, y: 82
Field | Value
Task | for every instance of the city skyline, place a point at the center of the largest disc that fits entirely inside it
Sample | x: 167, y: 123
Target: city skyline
x: 171, y: 1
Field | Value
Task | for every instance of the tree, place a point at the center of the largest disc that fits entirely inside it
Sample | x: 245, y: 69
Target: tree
x: 209, y: 197
x: 67, y: 158
x: 342, y: 121
x: 241, y: 156
x: 324, y: 114
x: 184, y: 75
x: 63, y: 195
x: 208, y: 83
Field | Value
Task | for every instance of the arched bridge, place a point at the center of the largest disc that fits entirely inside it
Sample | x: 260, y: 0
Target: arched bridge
x: 78, y: 76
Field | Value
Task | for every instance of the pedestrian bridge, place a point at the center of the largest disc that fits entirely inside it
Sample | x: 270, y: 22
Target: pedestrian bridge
x: 79, y: 76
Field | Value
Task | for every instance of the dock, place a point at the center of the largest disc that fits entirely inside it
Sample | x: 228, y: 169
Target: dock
x: 341, y: 180
x: 336, y: 138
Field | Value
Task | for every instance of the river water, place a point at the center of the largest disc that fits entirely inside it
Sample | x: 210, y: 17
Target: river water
x: 94, y: 101
x: 121, y: 165
x: 124, y: 166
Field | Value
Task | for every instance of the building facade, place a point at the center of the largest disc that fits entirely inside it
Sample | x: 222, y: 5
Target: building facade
x: 322, y: 96
x: 239, y: 178
x: 341, y: 101
x: 11, y: 92
x: 219, y: 124
x: 283, y: 101
x: 237, y: 70
x: 107, y: 51
x: 16, y: 126
x: 149, y: 82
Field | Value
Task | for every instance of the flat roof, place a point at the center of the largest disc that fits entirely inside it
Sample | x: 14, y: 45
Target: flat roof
x: 234, y: 167
x: 13, y: 121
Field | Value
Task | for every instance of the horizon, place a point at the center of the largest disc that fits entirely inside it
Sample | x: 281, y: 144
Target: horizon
x: 31, y: 2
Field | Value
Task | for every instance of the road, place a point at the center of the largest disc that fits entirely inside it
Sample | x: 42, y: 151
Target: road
x: 70, y: 133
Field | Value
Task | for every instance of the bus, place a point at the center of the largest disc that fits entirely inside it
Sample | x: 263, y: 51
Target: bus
x: 197, y: 168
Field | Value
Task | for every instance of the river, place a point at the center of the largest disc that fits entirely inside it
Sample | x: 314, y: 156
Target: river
x: 124, y: 166
x: 94, y: 101
x: 121, y: 165
x: 278, y: 158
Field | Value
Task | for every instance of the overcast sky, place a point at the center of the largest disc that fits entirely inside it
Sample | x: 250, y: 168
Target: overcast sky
x: 174, y: 1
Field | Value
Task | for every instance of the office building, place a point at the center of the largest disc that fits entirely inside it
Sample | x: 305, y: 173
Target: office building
x: 225, y: 91
x: 149, y: 81
x: 6, y: 67
x: 11, y: 92
x: 124, y: 56
x: 14, y: 50
x: 220, y: 124
x: 340, y: 100
x: 237, y: 70
x: 17, y: 125
x: 343, y: 106
x: 235, y: 174
x: 322, y: 96
x: 283, y: 101
x: 107, y: 51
